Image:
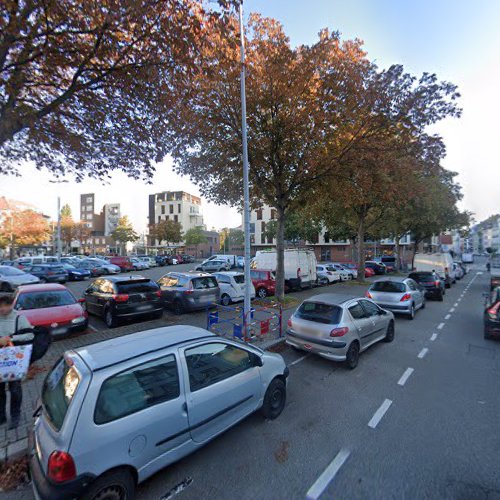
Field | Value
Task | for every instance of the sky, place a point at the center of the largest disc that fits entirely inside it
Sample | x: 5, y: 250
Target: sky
x: 459, y: 41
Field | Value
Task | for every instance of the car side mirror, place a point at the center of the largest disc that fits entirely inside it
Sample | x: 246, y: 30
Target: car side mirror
x: 257, y: 360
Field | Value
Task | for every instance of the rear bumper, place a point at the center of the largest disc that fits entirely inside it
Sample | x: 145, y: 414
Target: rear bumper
x: 138, y: 311
x: 334, y: 350
x: 396, y: 308
x: 492, y: 328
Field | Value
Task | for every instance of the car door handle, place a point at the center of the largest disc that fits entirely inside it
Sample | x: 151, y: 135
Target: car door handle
x: 184, y: 407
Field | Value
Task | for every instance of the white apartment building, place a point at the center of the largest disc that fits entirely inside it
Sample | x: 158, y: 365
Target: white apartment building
x: 178, y: 206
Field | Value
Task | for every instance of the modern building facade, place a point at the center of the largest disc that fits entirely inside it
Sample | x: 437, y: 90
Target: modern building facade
x: 101, y: 224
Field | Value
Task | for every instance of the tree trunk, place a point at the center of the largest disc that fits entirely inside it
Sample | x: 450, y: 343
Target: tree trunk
x: 415, y: 248
x: 396, y: 250
x: 280, y: 255
x: 361, y: 249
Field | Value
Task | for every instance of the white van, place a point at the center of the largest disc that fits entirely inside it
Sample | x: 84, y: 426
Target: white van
x: 442, y: 263
x: 300, y: 266
x: 37, y: 259
x: 232, y: 259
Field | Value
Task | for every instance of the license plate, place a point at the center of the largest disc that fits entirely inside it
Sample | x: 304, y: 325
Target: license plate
x: 144, y: 307
x: 59, y: 331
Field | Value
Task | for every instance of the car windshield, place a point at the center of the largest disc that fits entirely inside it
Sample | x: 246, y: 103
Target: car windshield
x: 43, y: 299
x: 139, y: 286
x: 10, y: 271
x: 319, y: 312
x: 58, y: 391
x: 69, y: 267
x: 388, y: 286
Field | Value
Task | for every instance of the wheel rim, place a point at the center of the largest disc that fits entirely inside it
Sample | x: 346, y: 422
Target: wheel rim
x: 276, y: 400
x: 112, y: 492
x: 109, y: 318
x: 225, y: 300
x: 262, y: 293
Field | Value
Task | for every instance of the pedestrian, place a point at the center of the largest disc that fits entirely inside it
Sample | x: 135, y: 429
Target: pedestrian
x: 14, y: 328
x: 488, y: 265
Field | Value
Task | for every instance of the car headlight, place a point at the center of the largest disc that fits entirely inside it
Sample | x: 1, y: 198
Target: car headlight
x: 78, y: 321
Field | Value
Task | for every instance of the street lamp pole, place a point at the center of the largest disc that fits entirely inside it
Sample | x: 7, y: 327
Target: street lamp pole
x: 59, y: 243
x: 246, y: 189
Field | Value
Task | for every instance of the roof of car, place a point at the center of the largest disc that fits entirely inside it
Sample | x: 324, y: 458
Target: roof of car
x: 121, y: 278
x: 41, y: 287
x: 114, y: 351
x: 332, y: 298
x: 230, y: 273
x: 396, y: 279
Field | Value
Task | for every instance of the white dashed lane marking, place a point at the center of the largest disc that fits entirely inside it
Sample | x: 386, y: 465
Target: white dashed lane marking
x: 377, y: 416
x: 299, y: 360
x: 440, y: 326
x: 319, y: 486
x: 434, y: 336
x: 448, y: 316
x: 405, y: 376
x: 423, y: 352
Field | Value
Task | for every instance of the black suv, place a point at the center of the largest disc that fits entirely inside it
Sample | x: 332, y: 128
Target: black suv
x: 433, y: 284
x: 117, y: 297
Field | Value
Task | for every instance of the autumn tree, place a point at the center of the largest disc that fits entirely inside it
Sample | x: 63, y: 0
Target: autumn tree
x: 195, y: 237
x: 168, y: 231
x: 79, y: 81
x: 289, y: 125
x: 81, y: 233
x: 67, y: 227
x: 124, y: 232
x: 24, y: 228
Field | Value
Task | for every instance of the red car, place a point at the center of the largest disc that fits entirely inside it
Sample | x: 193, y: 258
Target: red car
x: 263, y: 282
x: 124, y: 263
x: 52, y: 306
x: 369, y: 272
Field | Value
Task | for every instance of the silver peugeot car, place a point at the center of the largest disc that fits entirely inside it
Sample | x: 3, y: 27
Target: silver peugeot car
x: 116, y: 412
x: 339, y: 327
x: 399, y: 295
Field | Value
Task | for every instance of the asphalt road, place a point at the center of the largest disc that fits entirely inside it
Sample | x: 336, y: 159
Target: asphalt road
x: 418, y: 418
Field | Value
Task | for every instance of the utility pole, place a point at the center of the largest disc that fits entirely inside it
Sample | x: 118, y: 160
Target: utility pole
x: 59, y: 242
x: 246, y: 189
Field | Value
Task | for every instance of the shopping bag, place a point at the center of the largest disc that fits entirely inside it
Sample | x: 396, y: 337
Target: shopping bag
x: 14, y: 362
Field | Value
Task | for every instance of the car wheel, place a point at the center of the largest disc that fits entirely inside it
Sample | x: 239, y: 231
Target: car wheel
x: 352, y: 355
x: 178, y: 307
x: 274, y: 399
x: 116, y: 485
x: 389, y: 334
x: 5, y: 287
x: 440, y: 297
x: 158, y: 315
x: 225, y: 300
x: 109, y: 318
x: 262, y: 293
x: 412, y: 312
x: 423, y: 304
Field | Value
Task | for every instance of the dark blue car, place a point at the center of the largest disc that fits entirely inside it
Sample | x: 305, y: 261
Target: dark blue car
x: 75, y: 273
x: 49, y: 273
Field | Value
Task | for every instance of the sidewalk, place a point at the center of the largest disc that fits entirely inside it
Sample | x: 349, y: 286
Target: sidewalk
x: 14, y: 443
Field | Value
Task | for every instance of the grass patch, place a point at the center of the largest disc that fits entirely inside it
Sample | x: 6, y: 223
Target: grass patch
x: 287, y: 303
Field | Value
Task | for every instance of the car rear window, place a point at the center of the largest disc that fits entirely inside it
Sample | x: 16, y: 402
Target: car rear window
x: 174, y: 281
x: 41, y: 300
x: 58, y: 390
x: 239, y: 278
x: 204, y: 283
x: 319, y: 312
x: 423, y: 277
x: 139, y: 286
x: 388, y: 286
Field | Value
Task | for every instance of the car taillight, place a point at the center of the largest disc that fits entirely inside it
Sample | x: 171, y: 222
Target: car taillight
x: 493, y: 311
x: 188, y: 292
x: 339, y: 332
x: 368, y: 295
x: 61, y: 467
x: 158, y: 293
x: 49, y: 273
x: 437, y: 283
x: 405, y: 297
x: 121, y: 297
x: 289, y: 323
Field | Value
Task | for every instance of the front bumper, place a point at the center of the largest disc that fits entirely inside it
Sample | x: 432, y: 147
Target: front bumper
x: 69, y: 328
x: 334, y: 350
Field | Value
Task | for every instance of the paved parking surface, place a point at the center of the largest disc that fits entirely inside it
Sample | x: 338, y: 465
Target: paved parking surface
x: 417, y: 418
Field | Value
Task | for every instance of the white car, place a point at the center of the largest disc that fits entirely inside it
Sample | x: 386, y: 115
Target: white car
x: 327, y: 274
x: 232, y: 287
x: 353, y: 273
x: 344, y: 273
x: 138, y: 264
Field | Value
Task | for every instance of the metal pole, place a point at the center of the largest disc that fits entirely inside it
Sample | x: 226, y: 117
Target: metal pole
x: 59, y: 246
x: 246, y: 190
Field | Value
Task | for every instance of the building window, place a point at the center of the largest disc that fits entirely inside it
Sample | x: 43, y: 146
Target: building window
x: 163, y: 209
x: 167, y: 217
x: 176, y: 218
x: 89, y: 199
x: 325, y: 254
x: 159, y: 218
x: 327, y: 237
x: 179, y: 207
x: 273, y: 214
x: 170, y: 209
x: 259, y: 214
x: 263, y: 232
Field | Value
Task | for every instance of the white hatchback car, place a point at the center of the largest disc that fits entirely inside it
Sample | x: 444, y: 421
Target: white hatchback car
x: 327, y: 274
x: 232, y: 287
x: 116, y: 412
